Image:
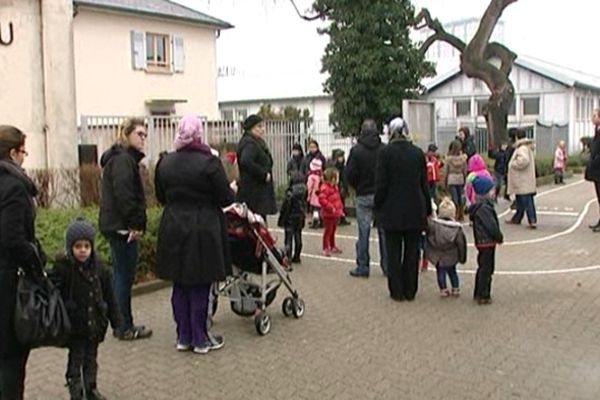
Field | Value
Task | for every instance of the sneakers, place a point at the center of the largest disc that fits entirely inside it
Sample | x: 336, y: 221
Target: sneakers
x: 215, y: 342
x: 444, y: 293
x: 359, y: 274
x: 183, y: 347
x: 135, y: 333
x: 455, y: 292
x: 327, y: 253
x: 335, y: 250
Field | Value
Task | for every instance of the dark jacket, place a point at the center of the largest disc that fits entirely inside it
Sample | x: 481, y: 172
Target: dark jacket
x: 17, y: 232
x: 294, y: 208
x: 255, y: 163
x: 501, y: 164
x: 305, y: 168
x: 88, y: 296
x: 446, y: 244
x: 592, y: 171
x: 486, y: 228
x: 402, y: 197
x: 123, y: 204
x: 469, y: 147
x: 294, y: 165
x: 192, y: 237
x: 343, y: 183
x: 360, y: 169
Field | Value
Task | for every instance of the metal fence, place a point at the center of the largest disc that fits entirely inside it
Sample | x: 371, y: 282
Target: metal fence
x: 281, y: 136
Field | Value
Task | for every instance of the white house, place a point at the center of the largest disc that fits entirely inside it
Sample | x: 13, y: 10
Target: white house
x: 544, y: 93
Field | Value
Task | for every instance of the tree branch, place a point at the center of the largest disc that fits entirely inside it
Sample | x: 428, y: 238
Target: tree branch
x: 486, y: 27
x: 306, y: 17
x: 506, y: 56
x: 424, y: 20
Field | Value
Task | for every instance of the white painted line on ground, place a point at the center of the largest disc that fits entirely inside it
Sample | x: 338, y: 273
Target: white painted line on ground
x: 470, y: 271
x: 558, y: 213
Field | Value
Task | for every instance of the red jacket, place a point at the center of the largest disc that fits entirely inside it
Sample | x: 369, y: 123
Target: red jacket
x: 331, y: 202
x: 433, y: 169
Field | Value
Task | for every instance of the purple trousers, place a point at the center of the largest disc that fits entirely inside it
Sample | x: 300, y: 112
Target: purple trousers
x: 191, y: 310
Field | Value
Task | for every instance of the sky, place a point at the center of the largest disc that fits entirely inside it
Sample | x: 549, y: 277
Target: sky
x: 270, y: 39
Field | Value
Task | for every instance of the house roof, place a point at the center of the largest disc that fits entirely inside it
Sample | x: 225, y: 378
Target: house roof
x: 157, y: 8
x: 563, y: 75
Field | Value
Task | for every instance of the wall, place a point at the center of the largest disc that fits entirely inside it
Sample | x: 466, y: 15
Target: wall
x: 107, y: 84
x: 36, y: 79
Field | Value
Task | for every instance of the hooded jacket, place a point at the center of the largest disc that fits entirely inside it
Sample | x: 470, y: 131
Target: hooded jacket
x: 592, y: 170
x: 455, y: 169
x: 123, y: 205
x: 331, y: 202
x: 521, y: 169
x: 294, y: 207
x: 446, y: 243
x: 486, y: 227
x: 476, y: 168
x: 501, y: 157
x: 360, y: 169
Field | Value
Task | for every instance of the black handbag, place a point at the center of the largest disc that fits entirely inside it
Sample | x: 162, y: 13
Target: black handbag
x: 41, y: 317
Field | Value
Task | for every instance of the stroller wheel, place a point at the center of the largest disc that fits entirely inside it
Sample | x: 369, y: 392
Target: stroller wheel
x: 298, y: 307
x: 262, y: 323
x: 287, y: 307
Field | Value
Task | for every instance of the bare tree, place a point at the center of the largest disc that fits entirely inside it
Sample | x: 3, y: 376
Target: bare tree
x: 475, y: 62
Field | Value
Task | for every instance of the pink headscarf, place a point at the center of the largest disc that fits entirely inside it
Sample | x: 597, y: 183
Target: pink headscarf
x: 190, y: 131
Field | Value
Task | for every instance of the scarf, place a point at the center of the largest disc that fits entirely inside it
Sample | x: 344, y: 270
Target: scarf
x: 14, y: 169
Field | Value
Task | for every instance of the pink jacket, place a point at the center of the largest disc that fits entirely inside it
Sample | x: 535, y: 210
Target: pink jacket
x: 560, y: 159
x: 476, y: 167
x: 313, y: 184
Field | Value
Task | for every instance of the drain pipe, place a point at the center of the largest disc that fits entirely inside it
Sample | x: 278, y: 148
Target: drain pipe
x: 45, y: 127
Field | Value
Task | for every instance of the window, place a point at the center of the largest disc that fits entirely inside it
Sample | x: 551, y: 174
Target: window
x: 513, y: 108
x: 531, y: 106
x: 241, y: 114
x: 463, y: 108
x: 158, y: 51
x: 227, y: 115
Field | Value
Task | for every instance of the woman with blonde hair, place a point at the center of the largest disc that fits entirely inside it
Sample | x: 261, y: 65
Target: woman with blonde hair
x: 123, y: 216
x: 17, y: 233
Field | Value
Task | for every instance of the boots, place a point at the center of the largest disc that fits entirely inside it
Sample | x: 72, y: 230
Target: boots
x: 460, y: 213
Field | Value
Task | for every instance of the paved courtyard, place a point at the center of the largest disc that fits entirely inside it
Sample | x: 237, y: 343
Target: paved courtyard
x: 539, y: 340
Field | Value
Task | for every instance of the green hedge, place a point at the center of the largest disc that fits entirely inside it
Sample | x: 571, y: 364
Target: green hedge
x: 52, y: 225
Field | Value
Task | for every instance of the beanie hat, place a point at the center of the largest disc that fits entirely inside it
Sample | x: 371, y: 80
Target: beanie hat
x: 80, y: 229
x: 189, y: 131
x: 446, y: 209
x: 316, y: 165
x: 251, y: 122
x: 397, y: 125
x: 483, y: 185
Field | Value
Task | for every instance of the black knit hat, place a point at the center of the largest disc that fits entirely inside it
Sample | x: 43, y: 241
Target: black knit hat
x: 80, y: 229
x: 251, y: 122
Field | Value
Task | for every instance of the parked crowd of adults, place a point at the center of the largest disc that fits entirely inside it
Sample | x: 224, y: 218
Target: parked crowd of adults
x: 403, y: 205
x: 592, y: 172
x: 360, y: 174
x: 17, y: 250
x: 123, y: 217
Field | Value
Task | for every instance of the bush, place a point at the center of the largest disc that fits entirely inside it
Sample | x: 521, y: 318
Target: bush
x: 52, y: 225
x: 544, y: 166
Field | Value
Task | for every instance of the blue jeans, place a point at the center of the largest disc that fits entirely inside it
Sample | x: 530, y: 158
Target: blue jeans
x: 456, y: 193
x: 125, y: 258
x: 499, y: 181
x: 364, y: 219
x: 525, y: 205
x: 452, y: 274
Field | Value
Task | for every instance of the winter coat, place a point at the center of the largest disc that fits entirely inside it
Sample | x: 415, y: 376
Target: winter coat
x: 468, y: 147
x: 88, y: 296
x: 294, y: 165
x: 486, y: 227
x: 592, y: 170
x: 331, y: 202
x: 560, y: 159
x: 313, y: 185
x: 255, y: 164
x: 446, y: 243
x: 305, y: 167
x: 521, y: 169
x: 455, y: 170
x: 192, y: 237
x: 477, y: 168
x: 123, y: 205
x: 360, y: 169
x: 402, y: 200
x: 343, y: 183
x: 501, y: 164
x: 17, y: 232
x: 434, y: 166
x: 294, y: 208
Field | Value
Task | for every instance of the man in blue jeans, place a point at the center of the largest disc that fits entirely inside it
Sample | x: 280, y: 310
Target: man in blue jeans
x: 521, y: 180
x: 360, y: 174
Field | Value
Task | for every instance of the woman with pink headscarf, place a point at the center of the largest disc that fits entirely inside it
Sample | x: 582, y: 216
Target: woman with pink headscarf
x: 193, y: 251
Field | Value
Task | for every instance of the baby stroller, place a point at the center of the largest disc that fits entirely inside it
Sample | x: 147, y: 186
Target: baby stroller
x: 259, y: 270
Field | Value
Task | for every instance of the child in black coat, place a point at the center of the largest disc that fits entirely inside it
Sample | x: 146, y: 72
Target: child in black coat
x: 86, y: 289
x: 293, y: 215
x: 486, y: 230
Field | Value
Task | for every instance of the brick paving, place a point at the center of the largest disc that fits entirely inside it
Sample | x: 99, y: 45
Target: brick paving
x: 539, y: 340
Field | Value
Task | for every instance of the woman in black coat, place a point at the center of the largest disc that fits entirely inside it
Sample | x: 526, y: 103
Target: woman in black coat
x: 256, y: 169
x: 402, y: 204
x: 17, y: 233
x: 193, y: 251
x: 123, y: 216
x: 592, y: 171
